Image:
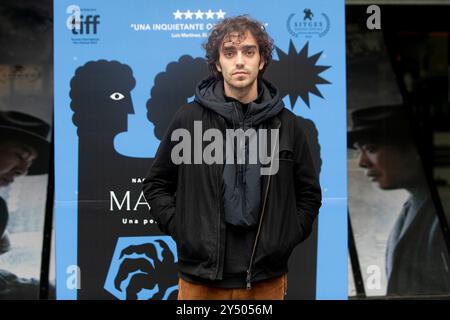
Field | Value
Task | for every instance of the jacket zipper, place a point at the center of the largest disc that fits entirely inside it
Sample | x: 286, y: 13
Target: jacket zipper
x: 218, y: 229
x: 219, y: 201
x: 242, y: 168
x: 263, y: 209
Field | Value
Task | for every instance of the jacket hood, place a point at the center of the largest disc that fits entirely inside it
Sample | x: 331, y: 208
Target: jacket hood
x: 210, y: 94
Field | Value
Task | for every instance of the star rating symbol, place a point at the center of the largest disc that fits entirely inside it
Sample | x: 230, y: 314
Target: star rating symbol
x: 199, y: 14
x: 209, y: 14
x: 178, y: 14
x: 220, y: 14
x: 188, y: 14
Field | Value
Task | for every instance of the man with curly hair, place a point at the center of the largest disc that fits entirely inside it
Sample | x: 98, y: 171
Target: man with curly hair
x: 234, y: 226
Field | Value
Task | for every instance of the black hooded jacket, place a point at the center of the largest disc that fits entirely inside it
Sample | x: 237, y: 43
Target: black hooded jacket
x: 242, y: 188
x: 188, y: 201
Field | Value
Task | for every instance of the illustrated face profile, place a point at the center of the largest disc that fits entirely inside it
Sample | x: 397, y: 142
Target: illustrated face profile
x: 101, y: 96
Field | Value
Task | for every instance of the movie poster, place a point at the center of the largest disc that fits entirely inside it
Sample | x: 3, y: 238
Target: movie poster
x: 398, y: 246
x: 25, y: 129
x: 121, y: 72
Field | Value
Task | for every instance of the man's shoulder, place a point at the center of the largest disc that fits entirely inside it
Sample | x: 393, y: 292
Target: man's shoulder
x: 297, y: 127
x: 289, y: 120
x: 287, y: 115
x: 188, y: 110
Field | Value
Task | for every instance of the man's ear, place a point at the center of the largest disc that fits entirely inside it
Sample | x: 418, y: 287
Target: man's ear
x: 262, y: 64
x: 218, y: 67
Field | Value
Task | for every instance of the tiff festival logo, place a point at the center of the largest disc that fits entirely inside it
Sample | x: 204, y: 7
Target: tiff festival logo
x: 80, y: 24
x: 213, y: 152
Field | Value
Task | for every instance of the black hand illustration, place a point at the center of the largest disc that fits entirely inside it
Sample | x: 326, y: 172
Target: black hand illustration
x: 160, y: 274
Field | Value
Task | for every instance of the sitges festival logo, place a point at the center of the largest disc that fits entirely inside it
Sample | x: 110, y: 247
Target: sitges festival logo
x: 308, y: 23
x: 83, y: 24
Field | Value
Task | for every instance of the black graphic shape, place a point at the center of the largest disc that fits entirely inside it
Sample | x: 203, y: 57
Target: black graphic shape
x: 303, y: 260
x: 308, y: 14
x: 297, y: 74
x: 172, y: 89
x: 101, y: 101
x: 160, y: 274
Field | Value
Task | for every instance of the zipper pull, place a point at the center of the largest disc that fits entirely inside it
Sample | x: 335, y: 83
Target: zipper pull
x: 249, y: 285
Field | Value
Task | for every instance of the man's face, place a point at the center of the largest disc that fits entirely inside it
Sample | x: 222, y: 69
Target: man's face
x: 388, y: 165
x: 15, y: 160
x: 239, y: 60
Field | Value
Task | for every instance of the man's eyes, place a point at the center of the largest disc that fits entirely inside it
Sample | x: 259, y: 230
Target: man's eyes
x: 20, y: 156
x: 229, y: 54
x: 23, y: 156
x: 370, y: 148
x: 248, y: 53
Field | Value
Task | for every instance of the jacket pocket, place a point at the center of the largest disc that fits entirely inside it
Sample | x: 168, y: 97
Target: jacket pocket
x: 196, y: 238
x: 171, y: 228
x: 281, y: 226
x: 286, y: 155
x: 175, y: 228
x: 279, y: 241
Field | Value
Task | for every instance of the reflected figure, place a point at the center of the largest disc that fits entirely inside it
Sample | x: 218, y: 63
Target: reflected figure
x: 23, y: 151
x: 417, y: 258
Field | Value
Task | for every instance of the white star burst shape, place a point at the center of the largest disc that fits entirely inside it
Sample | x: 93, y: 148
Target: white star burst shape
x: 178, y: 14
x: 209, y: 14
x: 221, y: 14
x: 188, y: 14
x: 199, y: 14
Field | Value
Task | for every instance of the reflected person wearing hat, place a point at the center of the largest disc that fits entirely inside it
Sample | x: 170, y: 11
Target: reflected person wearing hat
x: 24, y: 150
x: 417, y: 258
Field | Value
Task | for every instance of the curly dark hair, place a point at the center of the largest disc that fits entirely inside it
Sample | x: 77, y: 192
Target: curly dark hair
x: 239, y: 24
